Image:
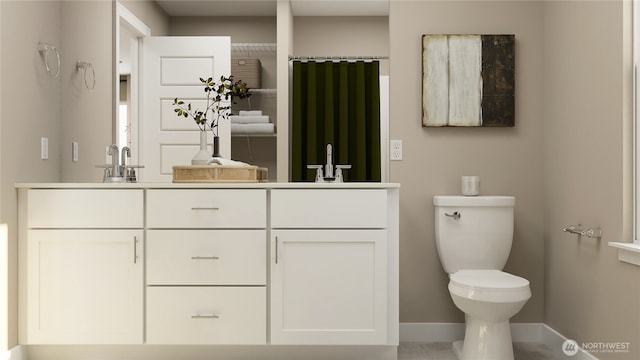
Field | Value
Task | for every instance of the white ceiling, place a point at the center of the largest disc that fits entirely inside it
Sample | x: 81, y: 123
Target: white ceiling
x: 268, y: 7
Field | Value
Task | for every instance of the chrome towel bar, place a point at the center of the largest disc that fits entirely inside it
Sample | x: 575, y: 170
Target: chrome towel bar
x: 578, y: 230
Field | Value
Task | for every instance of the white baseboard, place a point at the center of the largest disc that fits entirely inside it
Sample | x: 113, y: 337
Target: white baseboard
x: 449, y: 332
x: 520, y: 332
x: 554, y: 340
x: 15, y: 353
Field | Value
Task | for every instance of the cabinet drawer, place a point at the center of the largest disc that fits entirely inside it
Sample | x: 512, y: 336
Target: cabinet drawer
x: 85, y: 208
x: 206, y: 257
x: 206, y: 315
x: 329, y: 208
x: 199, y: 208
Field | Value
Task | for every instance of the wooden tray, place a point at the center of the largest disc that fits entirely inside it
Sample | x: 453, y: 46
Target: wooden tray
x: 218, y: 173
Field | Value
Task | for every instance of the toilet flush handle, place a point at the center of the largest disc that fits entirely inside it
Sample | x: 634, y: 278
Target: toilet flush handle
x: 456, y: 215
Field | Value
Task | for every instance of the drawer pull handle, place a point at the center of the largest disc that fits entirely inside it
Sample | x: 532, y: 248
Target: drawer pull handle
x: 276, y: 250
x: 135, y: 249
x: 213, y: 316
x: 205, y: 208
x: 205, y: 258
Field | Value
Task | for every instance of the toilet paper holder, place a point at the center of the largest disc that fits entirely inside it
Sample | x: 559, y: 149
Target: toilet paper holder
x: 578, y: 230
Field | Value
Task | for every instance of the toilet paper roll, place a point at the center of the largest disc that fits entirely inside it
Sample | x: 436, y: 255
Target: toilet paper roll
x: 470, y: 185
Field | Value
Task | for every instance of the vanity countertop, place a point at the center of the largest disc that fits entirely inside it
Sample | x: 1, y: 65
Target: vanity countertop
x: 212, y: 185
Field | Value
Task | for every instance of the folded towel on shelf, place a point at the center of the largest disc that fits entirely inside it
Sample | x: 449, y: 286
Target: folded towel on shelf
x: 252, y: 129
x: 257, y: 119
x: 250, y: 112
x: 225, y: 162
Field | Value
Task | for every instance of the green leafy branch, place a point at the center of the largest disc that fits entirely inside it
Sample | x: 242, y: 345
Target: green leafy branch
x: 225, y: 90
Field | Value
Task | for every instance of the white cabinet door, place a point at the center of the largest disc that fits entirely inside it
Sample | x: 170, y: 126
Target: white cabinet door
x: 85, y: 287
x: 328, y: 287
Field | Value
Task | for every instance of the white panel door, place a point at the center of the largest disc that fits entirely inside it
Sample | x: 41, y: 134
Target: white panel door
x: 171, y: 68
x: 85, y: 287
x: 328, y: 287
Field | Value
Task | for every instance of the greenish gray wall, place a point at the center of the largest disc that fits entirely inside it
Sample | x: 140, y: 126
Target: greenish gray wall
x: 342, y: 36
x: 151, y: 14
x: 508, y: 160
x: 590, y: 296
x: 87, y: 115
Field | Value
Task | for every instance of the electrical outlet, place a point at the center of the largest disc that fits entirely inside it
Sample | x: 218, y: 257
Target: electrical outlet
x: 396, y: 150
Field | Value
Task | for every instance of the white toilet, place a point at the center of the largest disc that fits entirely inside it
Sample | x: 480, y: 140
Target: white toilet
x: 473, y: 237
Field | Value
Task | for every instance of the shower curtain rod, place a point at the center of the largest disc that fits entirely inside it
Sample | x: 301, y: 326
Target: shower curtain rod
x: 332, y: 58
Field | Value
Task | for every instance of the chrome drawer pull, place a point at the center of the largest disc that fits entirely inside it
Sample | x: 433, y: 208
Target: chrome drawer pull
x: 214, y: 316
x: 205, y: 258
x: 205, y: 208
x: 135, y: 249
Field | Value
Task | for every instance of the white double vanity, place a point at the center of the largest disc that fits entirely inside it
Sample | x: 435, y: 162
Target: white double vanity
x: 149, y: 271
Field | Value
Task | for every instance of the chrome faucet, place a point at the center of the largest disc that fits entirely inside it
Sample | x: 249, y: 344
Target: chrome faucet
x: 328, y: 168
x: 115, y: 167
x: 328, y: 174
x: 119, y: 172
x: 126, y: 153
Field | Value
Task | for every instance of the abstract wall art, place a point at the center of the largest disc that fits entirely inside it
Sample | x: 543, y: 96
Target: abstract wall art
x: 468, y: 80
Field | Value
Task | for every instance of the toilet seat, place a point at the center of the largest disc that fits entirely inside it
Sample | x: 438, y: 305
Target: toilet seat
x: 489, y: 285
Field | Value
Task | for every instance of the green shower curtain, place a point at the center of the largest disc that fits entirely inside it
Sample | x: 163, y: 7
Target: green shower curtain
x: 336, y: 103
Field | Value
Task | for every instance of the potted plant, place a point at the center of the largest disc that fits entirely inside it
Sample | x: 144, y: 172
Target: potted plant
x: 220, y: 95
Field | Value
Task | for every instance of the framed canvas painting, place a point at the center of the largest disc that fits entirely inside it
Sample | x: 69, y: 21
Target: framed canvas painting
x: 468, y: 80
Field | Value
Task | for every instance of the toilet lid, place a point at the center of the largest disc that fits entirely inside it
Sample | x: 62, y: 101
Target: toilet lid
x: 489, y: 280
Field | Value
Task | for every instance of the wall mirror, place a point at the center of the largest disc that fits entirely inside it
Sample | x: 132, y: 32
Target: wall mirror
x: 128, y: 32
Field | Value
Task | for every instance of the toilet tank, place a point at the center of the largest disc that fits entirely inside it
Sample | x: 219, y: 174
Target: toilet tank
x: 480, y: 238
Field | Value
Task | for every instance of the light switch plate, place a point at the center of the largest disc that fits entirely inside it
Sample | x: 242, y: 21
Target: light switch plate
x: 44, y: 148
x: 74, y: 151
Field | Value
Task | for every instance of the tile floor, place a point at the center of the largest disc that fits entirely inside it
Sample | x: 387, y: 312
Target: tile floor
x: 444, y: 351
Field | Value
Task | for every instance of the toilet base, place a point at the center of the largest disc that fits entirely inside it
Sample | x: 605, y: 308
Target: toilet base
x: 485, y: 341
